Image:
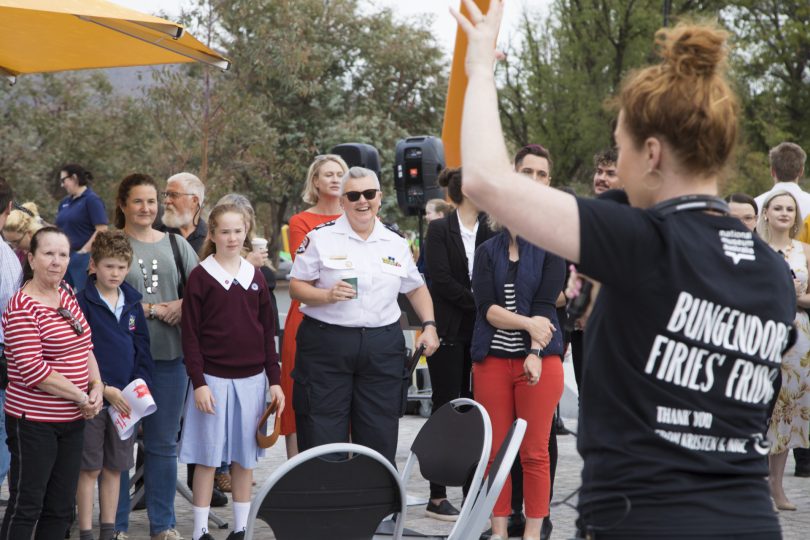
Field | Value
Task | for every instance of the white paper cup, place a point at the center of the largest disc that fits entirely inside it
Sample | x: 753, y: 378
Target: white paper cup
x: 259, y: 244
x: 140, y: 402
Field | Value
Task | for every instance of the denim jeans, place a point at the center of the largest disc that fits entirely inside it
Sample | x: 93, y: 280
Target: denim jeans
x: 5, y: 456
x: 160, y: 429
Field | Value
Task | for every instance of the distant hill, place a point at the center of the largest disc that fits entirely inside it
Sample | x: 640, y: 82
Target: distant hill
x: 132, y: 81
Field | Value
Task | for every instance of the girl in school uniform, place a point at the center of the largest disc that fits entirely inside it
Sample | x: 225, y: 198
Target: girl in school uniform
x: 229, y: 348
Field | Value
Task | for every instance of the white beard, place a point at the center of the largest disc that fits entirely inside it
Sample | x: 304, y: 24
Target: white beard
x: 174, y: 219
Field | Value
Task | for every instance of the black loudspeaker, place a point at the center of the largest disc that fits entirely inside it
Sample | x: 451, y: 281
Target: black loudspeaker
x: 359, y: 155
x: 419, y: 160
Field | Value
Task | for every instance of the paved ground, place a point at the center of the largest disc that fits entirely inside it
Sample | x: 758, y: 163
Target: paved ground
x: 796, y: 525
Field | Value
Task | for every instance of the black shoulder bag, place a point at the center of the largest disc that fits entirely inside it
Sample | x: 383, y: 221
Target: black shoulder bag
x: 178, y: 262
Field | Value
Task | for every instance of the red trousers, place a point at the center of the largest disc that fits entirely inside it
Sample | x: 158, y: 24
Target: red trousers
x: 500, y: 386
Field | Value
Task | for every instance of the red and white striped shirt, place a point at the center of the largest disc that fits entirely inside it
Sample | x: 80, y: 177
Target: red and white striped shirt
x: 38, y: 341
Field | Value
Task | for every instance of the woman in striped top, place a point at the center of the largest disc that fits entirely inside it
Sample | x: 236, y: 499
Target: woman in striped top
x: 517, y: 370
x: 53, y: 387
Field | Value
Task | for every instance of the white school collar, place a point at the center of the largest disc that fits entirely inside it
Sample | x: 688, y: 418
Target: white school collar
x: 244, y: 276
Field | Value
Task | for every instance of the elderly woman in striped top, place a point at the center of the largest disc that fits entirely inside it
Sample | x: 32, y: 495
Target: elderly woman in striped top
x: 53, y: 387
x: 516, y: 349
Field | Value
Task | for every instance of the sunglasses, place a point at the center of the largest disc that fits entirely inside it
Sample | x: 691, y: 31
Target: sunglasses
x: 73, y: 321
x: 367, y: 194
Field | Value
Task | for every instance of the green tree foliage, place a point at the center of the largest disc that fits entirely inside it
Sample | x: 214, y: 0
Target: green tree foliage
x: 772, y: 65
x: 51, y: 120
x: 568, y: 64
x: 306, y: 75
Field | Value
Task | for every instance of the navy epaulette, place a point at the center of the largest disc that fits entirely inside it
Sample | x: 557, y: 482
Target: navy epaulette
x: 322, y: 225
x: 394, y: 229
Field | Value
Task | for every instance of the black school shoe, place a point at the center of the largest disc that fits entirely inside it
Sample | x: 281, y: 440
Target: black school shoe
x: 545, y: 529
x: 236, y: 535
x: 443, y: 511
x: 206, y: 536
x: 218, y: 498
x: 516, y: 524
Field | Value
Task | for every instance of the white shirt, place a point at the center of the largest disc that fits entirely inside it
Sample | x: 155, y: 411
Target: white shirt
x: 383, y: 265
x: 10, y: 277
x: 802, y: 197
x: 468, y: 239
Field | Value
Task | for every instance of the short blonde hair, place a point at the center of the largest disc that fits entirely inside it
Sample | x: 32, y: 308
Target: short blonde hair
x: 310, y: 193
x: 22, y: 222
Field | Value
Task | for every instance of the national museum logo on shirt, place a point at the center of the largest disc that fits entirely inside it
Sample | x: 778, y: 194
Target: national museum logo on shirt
x: 738, y: 245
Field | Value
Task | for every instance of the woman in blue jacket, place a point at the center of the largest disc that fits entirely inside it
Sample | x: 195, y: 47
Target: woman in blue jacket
x: 517, y: 370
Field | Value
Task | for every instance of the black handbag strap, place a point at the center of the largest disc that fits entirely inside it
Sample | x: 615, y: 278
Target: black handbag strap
x: 178, y: 262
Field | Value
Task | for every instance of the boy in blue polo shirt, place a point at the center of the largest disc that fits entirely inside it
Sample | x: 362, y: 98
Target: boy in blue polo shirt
x: 121, y: 345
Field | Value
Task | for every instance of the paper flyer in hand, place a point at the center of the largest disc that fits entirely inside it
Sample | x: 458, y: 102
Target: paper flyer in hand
x: 140, y: 401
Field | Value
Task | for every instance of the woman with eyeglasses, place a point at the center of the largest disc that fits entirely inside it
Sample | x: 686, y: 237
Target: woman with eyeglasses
x: 350, y: 368
x: 80, y: 215
x: 161, y: 264
x: 322, y: 191
x: 54, y: 385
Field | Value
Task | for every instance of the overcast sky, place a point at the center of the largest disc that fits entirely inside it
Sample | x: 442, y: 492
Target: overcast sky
x: 444, y: 26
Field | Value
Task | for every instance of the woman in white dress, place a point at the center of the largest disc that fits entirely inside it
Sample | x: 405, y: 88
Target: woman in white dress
x: 778, y: 224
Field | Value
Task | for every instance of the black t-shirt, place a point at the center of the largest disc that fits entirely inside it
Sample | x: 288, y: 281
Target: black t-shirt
x: 684, y: 342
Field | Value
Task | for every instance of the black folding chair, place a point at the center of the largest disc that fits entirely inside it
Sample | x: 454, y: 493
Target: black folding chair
x: 452, y: 447
x: 339, y: 491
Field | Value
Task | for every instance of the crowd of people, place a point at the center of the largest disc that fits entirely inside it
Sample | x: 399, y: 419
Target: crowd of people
x: 692, y: 355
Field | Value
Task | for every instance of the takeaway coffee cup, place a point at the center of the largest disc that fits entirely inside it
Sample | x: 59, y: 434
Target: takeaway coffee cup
x: 259, y: 244
x: 351, y: 279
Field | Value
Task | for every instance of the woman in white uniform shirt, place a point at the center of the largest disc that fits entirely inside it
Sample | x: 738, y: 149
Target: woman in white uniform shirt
x: 350, y: 363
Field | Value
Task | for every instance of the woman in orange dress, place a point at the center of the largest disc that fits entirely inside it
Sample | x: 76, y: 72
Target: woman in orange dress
x: 322, y: 191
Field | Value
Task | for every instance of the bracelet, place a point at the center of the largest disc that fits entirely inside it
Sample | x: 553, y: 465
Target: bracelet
x: 84, y: 400
x: 428, y: 323
x: 152, y: 311
x: 93, y: 383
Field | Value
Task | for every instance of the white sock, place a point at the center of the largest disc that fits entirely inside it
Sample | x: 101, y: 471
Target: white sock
x: 200, y: 521
x: 241, y: 510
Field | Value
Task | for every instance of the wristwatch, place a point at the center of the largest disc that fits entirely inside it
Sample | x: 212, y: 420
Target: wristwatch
x: 152, y: 311
x: 428, y: 323
x: 537, y: 352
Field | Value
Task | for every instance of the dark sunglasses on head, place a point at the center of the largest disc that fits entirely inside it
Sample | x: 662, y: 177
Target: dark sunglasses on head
x: 73, y: 321
x: 367, y: 194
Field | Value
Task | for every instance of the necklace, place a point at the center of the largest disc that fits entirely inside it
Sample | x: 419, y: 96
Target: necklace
x: 153, y: 278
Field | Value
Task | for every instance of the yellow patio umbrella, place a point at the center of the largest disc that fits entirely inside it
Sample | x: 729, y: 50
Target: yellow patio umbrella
x: 40, y: 36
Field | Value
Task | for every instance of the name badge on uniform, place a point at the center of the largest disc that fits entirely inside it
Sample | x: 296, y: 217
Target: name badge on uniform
x: 347, y: 263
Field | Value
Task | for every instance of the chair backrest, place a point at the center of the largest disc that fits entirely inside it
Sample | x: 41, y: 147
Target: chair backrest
x: 453, y: 445
x: 339, y: 491
x: 487, y: 496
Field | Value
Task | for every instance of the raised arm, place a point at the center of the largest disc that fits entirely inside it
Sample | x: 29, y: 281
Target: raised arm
x: 545, y: 216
